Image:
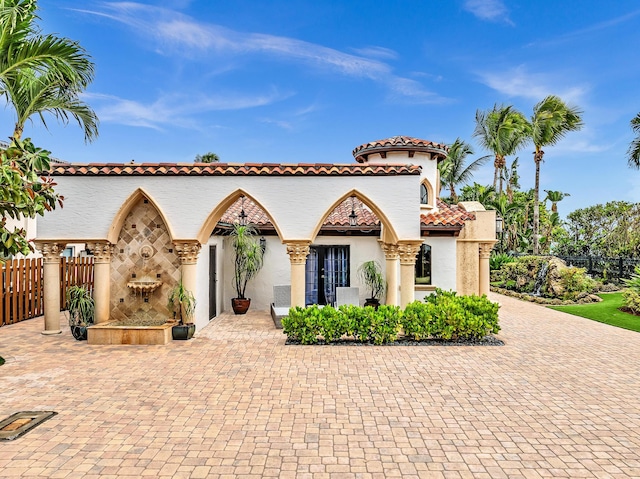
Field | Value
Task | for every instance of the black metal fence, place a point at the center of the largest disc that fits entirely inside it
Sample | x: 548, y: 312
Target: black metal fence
x: 607, y: 268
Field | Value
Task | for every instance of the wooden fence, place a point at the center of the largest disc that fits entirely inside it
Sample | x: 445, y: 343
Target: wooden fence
x: 22, y: 286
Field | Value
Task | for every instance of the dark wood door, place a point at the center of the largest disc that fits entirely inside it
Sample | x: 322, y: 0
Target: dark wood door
x: 212, y: 282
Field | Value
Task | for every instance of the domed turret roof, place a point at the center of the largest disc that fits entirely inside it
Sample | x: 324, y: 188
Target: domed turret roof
x: 399, y: 143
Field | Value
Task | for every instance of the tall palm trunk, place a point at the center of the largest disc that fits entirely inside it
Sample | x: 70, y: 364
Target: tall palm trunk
x: 17, y: 131
x: 496, y: 172
x: 537, y: 158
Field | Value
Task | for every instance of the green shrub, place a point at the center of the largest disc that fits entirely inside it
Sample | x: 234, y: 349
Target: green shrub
x: 443, y: 315
x: 575, y: 281
x: 303, y: 324
x: 631, y: 300
x: 498, y: 259
x: 633, y: 283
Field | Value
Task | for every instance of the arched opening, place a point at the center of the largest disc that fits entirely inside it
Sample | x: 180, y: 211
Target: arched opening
x: 144, y: 265
x: 243, y: 209
x: 125, y: 209
x: 427, y: 197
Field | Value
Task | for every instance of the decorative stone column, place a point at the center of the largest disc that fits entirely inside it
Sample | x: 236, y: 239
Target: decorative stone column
x: 391, y: 262
x: 407, y: 250
x: 51, y: 277
x: 102, y: 252
x: 483, y: 270
x: 188, y: 253
x: 298, y: 252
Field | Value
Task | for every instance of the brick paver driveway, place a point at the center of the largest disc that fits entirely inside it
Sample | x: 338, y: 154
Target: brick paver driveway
x: 560, y: 399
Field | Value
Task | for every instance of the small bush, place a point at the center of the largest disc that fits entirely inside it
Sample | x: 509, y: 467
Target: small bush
x: 631, y: 300
x: 633, y: 283
x: 575, y: 281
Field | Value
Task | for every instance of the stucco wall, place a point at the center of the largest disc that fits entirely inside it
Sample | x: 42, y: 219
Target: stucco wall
x: 296, y: 204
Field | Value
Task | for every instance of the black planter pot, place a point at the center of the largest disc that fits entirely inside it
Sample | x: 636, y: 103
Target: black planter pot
x: 183, y: 331
x: 79, y: 332
x: 240, y: 305
x: 375, y: 302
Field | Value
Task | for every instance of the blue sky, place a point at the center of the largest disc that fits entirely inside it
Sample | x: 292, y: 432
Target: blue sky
x: 307, y: 81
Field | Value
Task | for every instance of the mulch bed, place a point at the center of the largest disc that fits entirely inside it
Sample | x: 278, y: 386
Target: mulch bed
x: 489, y: 340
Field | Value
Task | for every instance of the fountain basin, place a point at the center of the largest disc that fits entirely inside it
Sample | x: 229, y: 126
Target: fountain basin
x: 144, y: 286
x: 113, y: 332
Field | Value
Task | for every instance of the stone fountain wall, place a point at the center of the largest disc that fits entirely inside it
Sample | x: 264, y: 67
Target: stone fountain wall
x: 143, y: 233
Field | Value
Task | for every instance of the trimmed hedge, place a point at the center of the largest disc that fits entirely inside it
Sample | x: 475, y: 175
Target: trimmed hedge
x: 443, y: 315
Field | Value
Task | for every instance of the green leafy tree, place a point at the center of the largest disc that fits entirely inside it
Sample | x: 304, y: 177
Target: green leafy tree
x: 454, y: 171
x: 23, y: 193
x: 555, y: 197
x: 633, y: 154
x: 209, y: 157
x: 552, y: 119
x: 42, y: 73
x: 502, y: 130
x: 477, y: 192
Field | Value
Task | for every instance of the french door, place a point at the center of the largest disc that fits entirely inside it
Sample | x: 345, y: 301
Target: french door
x: 327, y: 268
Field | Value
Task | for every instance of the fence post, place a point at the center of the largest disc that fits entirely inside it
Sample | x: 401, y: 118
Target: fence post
x: 590, y: 264
x: 620, y: 267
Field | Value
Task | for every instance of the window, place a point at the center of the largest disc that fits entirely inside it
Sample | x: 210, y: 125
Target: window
x: 423, y: 265
x: 68, y: 252
x: 424, y: 194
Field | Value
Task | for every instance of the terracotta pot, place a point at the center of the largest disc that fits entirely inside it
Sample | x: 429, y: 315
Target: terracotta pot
x: 240, y: 305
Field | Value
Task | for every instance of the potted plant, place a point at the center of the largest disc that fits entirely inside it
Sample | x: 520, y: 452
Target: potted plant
x: 182, y: 303
x: 370, y: 273
x: 81, y: 311
x: 248, y: 261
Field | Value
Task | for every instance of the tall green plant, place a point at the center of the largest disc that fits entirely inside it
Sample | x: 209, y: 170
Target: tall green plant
x: 370, y: 272
x: 182, y: 303
x: 454, y: 171
x: 552, y: 119
x: 248, y: 256
x: 633, y: 154
x: 502, y: 130
x: 42, y: 72
x: 81, y: 306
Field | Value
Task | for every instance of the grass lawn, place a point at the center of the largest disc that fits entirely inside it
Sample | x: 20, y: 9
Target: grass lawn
x: 604, y: 312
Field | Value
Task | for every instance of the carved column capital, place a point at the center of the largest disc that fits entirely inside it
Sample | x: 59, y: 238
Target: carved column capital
x: 50, y: 251
x: 408, y: 250
x: 485, y: 250
x: 298, y: 251
x: 101, y: 250
x: 187, y: 251
x: 390, y: 250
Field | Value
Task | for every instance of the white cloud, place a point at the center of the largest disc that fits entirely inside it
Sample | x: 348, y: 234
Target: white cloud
x: 491, y: 10
x: 376, y: 52
x: 174, y: 32
x: 518, y: 82
x: 175, y: 110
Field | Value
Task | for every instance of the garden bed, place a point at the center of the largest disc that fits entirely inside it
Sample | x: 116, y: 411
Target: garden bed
x: 489, y: 340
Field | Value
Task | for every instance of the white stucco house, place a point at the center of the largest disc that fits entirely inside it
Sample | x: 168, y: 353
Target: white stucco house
x: 167, y: 221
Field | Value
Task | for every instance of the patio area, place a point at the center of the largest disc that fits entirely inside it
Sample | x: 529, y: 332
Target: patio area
x: 560, y: 399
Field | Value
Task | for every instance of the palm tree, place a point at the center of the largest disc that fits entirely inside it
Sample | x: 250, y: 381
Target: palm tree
x: 42, y: 73
x: 30, y: 94
x: 453, y: 171
x: 512, y: 178
x: 555, y: 197
x: 634, y: 148
x: 209, y: 157
x: 552, y: 119
x: 502, y: 130
x: 510, y: 212
x: 477, y: 192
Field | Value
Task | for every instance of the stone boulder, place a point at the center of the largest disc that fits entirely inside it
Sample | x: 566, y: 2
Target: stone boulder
x: 554, y: 278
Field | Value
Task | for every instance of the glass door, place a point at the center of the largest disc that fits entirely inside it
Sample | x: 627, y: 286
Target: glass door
x: 327, y: 268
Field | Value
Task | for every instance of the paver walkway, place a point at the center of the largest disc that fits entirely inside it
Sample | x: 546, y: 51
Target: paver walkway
x: 560, y: 399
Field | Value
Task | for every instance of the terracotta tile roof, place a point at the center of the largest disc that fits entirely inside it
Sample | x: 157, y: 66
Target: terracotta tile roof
x: 231, y: 169
x: 339, y: 216
x: 402, y: 143
x: 446, y: 216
